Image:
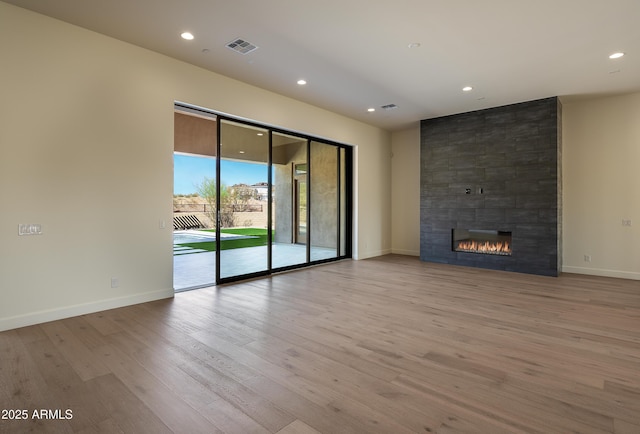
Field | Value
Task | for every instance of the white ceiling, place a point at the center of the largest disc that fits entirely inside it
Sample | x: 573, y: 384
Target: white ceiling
x: 354, y: 54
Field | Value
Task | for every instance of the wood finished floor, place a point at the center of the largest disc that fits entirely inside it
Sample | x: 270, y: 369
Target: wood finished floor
x: 384, y: 345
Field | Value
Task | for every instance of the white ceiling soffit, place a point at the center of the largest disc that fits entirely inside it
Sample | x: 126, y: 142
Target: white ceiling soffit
x: 359, y: 54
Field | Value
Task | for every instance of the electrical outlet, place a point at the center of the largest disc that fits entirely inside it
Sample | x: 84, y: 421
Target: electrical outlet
x: 626, y: 222
x: 587, y: 258
x: 162, y: 224
x: 115, y: 282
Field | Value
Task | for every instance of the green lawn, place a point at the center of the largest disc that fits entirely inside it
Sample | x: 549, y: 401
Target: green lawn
x: 258, y: 238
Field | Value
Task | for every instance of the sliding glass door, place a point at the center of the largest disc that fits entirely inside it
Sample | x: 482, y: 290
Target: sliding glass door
x: 289, y: 200
x: 243, y: 185
x: 194, y: 200
x: 274, y: 200
x: 324, y: 200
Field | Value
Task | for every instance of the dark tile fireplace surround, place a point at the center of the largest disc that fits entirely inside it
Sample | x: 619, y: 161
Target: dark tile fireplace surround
x: 491, y: 173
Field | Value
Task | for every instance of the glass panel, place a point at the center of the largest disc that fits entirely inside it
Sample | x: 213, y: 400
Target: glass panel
x: 289, y: 200
x: 343, y: 203
x: 323, y: 209
x: 194, y: 173
x: 244, y: 158
x: 301, y: 210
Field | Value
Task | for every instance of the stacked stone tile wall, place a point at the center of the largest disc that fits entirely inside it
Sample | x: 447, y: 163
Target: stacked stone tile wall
x: 494, y: 169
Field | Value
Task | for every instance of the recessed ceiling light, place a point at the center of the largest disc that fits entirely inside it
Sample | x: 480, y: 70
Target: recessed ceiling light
x: 467, y: 89
x: 186, y: 35
x: 371, y: 109
x: 414, y: 45
x: 261, y: 134
x: 616, y: 55
x: 240, y: 152
x: 302, y: 82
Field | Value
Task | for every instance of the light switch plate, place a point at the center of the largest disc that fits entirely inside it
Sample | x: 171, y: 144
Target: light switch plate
x: 29, y: 229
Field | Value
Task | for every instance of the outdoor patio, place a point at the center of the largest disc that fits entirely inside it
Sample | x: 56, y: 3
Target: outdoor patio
x: 195, y: 270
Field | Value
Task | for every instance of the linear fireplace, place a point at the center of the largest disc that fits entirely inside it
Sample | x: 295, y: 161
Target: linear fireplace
x: 487, y: 242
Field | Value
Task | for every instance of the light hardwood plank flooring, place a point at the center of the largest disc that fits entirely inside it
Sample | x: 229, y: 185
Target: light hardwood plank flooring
x: 384, y: 345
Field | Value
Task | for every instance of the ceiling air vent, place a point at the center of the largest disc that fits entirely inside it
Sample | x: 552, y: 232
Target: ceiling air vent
x: 389, y: 107
x: 241, y: 46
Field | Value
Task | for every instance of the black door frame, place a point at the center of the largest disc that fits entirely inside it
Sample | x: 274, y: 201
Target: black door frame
x: 348, y: 200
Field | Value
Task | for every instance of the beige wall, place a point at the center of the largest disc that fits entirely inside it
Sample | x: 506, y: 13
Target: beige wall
x: 601, y: 170
x: 405, y: 192
x: 86, y: 131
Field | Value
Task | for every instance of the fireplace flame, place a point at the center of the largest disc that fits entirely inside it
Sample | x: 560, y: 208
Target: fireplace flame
x: 490, y: 247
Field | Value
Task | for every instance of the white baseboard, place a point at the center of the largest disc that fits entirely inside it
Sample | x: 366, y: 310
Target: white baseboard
x: 405, y: 252
x: 365, y: 255
x: 601, y: 272
x: 80, y: 309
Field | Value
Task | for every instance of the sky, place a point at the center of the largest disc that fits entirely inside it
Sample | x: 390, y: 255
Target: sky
x: 189, y: 171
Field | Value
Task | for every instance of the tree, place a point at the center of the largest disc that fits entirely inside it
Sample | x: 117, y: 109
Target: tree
x: 240, y: 195
x: 232, y: 199
x: 208, y: 191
